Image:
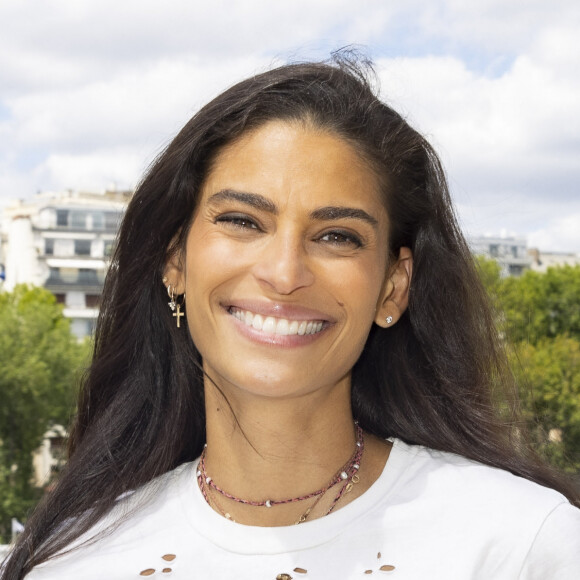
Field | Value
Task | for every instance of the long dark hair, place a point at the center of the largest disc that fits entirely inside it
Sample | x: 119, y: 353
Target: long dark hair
x: 434, y: 379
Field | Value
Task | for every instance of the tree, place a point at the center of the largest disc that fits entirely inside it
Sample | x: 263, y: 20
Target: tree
x: 542, y: 305
x: 40, y: 359
x: 549, y: 377
x: 539, y: 317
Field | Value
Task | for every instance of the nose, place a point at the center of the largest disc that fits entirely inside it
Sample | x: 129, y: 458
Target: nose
x: 283, y: 264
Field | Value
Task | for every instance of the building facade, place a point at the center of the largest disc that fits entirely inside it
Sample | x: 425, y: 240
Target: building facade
x: 63, y: 241
x: 511, y: 253
x: 541, y: 261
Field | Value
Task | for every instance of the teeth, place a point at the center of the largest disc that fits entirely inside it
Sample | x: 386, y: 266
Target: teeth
x: 281, y: 326
x: 269, y: 325
x: 258, y: 322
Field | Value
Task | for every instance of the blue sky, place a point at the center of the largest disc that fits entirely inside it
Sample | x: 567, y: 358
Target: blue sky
x: 91, y: 90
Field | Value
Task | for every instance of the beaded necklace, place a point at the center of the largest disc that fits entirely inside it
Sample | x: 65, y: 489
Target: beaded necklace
x: 347, y: 475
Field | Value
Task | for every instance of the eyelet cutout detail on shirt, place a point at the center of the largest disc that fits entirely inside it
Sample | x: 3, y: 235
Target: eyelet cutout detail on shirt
x: 285, y: 576
x: 383, y: 568
x: 166, y: 570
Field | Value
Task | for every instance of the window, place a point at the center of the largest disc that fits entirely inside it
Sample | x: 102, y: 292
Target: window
x: 98, y: 220
x: 49, y: 246
x: 69, y: 275
x: 92, y: 300
x: 54, y: 275
x: 79, y: 220
x: 82, y: 247
x: 62, y: 218
x: 60, y: 298
x: 112, y: 220
x: 87, y: 276
x: 494, y: 250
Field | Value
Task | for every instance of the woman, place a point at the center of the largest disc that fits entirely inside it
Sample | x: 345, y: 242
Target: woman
x: 292, y: 332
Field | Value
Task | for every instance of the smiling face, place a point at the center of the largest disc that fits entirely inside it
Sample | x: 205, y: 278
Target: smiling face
x: 286, y: 262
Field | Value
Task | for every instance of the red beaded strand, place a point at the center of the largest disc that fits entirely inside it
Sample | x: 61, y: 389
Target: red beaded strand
x: 347, y: 474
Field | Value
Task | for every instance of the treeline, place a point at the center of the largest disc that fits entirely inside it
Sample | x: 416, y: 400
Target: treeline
x: 39, y: 364
x: 539, y: 318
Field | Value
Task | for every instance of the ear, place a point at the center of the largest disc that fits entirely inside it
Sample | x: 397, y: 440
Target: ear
x: 394, y: 298
x: 174, y: 272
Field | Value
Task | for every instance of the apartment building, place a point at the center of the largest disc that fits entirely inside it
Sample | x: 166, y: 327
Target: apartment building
x: 510, y: 252
x: 63, y: 241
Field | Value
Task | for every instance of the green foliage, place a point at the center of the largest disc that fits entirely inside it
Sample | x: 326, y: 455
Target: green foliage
x: 40, y: 359
x: 539, y: 316
x: 549, y: 375
x: 541, y: 306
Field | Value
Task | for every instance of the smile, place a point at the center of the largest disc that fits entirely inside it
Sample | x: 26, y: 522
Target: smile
x: 280, y: 326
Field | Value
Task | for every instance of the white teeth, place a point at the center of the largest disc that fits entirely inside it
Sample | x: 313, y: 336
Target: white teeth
x: 269, y: 325
x: 281, y: 326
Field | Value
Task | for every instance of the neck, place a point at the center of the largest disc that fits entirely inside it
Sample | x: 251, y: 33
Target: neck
x: 268, y: 442
x: 266, y: 448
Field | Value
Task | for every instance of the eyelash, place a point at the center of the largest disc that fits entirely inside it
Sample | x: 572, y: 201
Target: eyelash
x: 238, y: 221
x: 341, y: 238
x: 337, y: 238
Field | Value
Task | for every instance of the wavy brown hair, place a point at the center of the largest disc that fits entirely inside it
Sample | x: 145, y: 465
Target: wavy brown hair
x: 437, y: 378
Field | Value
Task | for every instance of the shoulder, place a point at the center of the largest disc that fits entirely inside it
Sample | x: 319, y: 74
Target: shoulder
x: 559, y: 534
x: 131, y: 533
x: 496, y: 517
x: 463, y: 480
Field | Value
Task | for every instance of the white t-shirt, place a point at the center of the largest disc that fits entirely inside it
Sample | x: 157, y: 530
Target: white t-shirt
x: 429, y: 516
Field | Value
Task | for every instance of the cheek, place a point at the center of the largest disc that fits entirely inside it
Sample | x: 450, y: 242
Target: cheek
x: 358, y: 289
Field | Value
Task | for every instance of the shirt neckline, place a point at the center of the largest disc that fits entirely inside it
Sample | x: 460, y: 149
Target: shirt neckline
x: 244, y: 539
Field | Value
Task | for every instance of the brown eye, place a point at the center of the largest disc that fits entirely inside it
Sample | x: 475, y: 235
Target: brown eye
x: 238, y: 221
x: 341, y: 238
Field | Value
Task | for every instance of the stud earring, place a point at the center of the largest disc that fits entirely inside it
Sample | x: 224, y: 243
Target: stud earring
x: 389, y: 319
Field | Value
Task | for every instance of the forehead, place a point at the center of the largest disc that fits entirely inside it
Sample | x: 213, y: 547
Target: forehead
x: 297, y: 160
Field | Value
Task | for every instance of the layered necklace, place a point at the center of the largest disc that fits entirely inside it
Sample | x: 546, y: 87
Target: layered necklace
x: 347, y: 476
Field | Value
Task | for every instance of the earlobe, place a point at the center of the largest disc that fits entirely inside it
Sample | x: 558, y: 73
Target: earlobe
x: 395, y: 295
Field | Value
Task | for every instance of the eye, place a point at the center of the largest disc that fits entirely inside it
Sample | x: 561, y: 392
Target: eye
x: 237, y: 221
x: 341, y: 239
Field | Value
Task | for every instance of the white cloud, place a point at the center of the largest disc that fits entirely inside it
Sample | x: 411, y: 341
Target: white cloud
x: 509, y: 142
x: 98, y: 170
x: 92, y: 89
x: 560, y: 234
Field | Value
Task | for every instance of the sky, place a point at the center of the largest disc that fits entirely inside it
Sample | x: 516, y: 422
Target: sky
x: 92, y: 90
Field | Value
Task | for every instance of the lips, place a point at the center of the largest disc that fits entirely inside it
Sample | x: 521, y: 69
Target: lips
x: 276, y: 325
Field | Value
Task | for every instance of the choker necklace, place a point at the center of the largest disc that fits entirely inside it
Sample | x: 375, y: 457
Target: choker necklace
x: 347, y: 475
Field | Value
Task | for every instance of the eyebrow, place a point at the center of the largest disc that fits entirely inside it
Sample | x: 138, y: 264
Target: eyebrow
x: 253, y: 199
x: 260, y: 202
x: 338, y: 213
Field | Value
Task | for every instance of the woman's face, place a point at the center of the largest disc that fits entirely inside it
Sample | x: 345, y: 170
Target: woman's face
x: 286, y: 262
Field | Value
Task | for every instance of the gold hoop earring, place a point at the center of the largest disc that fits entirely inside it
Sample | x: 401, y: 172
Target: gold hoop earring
x: 174, y: 305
